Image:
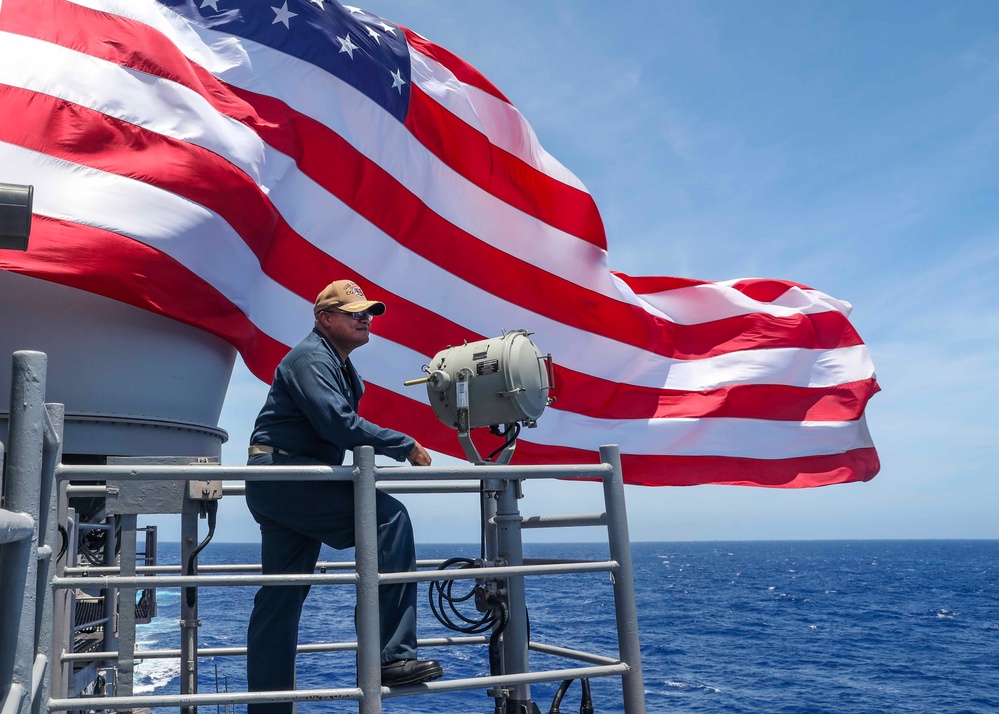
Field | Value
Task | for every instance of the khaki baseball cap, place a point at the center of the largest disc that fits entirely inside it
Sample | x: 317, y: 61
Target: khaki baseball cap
x: 346, y: 295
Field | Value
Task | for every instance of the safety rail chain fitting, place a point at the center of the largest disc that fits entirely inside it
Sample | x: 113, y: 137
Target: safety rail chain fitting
x: 34, y: 462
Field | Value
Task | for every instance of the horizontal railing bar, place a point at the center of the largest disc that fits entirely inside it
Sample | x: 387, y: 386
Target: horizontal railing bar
x: 232, y: 568
x: 429, y: 486
x: 594, y: 566
x: 238, y: 489
x: 551, y: 561
x: 567, y: 521
x: 315, y: 648
x: 441, y: 685
x: 393, y: 487
x: 572, y: 654
x: 494, y: 472
x: 184, y: 581
x: 201, y: 472
x: 187, y: 700
x: 553, y: 675
x: 92, y: 623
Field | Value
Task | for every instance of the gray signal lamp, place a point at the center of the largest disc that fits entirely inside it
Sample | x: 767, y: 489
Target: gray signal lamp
x: 15, y: 216
x: 501, y: 382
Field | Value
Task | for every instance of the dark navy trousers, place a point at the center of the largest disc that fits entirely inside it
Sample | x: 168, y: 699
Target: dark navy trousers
x: 295, y: 519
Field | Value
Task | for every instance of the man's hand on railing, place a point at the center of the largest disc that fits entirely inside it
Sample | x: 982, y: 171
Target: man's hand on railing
x: 418, y: 456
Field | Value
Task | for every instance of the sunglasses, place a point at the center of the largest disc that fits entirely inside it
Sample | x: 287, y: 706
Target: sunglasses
x: 358, y: 316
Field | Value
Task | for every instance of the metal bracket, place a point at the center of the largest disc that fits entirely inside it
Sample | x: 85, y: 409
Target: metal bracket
x: 204, y: 490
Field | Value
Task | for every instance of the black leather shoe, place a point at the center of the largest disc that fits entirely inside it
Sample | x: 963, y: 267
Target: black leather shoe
x: 410, y: 671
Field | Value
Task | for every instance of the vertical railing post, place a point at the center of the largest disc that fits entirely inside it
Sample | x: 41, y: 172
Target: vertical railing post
x: 110, y: 594
x: 126, y: 607
x: 18, y: 595
x: 511, y: 551
x: 624, y: 583
x: 366, y: 556
x: 48, y: 533
x: 189, y: 622
x: 64, y: 681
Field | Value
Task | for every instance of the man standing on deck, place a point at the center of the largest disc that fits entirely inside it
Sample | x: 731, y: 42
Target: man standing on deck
x: 310, y: 417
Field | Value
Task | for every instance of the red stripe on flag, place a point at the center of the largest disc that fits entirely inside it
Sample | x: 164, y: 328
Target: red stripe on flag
x: 759, y: 289
x: 118, y: 267
x: 644, y: 285
x: 104, y: 35
x: 765, y: 289
x: 510, y: 179
x: 603, y: 399
x: 87, y: 137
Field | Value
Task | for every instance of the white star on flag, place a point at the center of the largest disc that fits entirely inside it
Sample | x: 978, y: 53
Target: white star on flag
x: 347, y: 46
x: 214, y: 4
x: 388, y: 28
x: 283, y: 14
x: 320, y: 3
x: 352, y: 10
x: 397, y: 80
x: 375, y: 35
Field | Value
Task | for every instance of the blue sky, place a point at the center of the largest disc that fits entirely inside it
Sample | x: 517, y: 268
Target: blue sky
x: 853, y: 147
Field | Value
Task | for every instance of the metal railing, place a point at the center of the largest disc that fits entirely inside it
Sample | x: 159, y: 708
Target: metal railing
x: 505, y: 561
x: 28, y: 534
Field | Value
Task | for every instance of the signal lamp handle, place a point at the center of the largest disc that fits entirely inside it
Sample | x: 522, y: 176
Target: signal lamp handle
x: 550, y: 369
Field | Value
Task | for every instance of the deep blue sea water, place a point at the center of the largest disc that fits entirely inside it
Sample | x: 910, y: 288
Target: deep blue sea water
x: 851, y: 627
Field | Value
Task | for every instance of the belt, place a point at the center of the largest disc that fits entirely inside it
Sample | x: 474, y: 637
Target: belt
x: 265, y: 449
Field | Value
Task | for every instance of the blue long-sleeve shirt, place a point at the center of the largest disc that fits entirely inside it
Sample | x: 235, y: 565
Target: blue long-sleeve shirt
x: 311, y: 408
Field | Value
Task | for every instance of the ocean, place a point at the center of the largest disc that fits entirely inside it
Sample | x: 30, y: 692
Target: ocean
x: 795, y: 627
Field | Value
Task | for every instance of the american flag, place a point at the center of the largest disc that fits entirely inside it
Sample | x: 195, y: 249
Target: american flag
x: 220, y: 161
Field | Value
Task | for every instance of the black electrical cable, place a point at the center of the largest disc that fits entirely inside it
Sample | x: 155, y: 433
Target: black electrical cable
x: 192, y: 593
x: 494, y: 648
x: 559, y: 693
x: 64, y: 537
x: 585, y: 703
x: 511, y: 433
x: 443, y: 598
